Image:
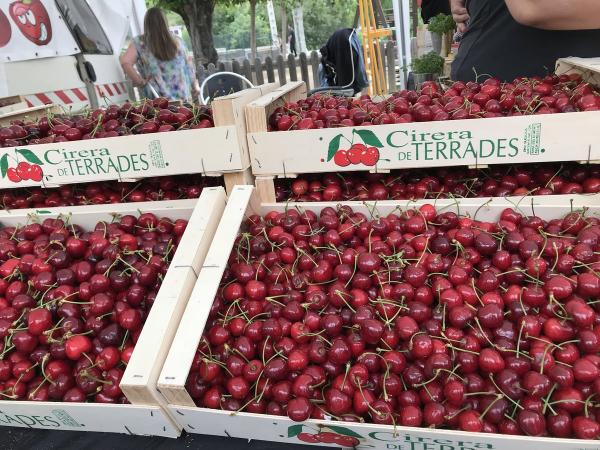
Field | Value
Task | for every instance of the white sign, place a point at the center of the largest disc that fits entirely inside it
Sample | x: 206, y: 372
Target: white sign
x: 31, y: 29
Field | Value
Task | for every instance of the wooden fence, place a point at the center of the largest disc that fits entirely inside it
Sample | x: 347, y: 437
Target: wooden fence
x: 304, y: 67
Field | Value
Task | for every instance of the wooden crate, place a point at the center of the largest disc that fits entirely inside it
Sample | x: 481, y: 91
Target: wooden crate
x: 244, y: 201
x: 588, y: 68
x: 13, y: 103
x: 20, y: 112
x: 148, y: 414
x: 218, y: 151
x: 477, y: 143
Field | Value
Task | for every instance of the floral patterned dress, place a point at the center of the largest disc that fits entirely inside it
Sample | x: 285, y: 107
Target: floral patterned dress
x: 171, y: 79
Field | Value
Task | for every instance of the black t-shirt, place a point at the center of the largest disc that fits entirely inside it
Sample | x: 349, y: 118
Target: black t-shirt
x: 496, y: 45
x: 431, y: 8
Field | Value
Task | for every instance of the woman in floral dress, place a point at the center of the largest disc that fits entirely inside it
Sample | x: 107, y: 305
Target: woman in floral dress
x: 161, y: 61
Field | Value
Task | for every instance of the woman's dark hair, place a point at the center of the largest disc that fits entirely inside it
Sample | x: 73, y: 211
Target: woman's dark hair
x: 157, y: 36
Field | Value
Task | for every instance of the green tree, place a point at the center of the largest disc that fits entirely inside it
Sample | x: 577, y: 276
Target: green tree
x: 323, y: 17
x: 232, y: 26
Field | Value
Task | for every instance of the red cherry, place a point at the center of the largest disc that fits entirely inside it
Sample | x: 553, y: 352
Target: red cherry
x: 370, y: 156
x: 12, y: 175
x: 341, y: 158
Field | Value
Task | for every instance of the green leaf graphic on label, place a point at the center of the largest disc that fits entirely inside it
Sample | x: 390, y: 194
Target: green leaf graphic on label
x: 4, y: 164
x: 344, y: 431
x: 334, y: 146
x: 294, y: 430
x: 368, y: 137
x: 29, y: 156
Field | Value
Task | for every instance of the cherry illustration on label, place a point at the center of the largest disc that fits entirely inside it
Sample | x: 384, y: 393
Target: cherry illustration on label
x: 30, y: 169
x: 366, y: 153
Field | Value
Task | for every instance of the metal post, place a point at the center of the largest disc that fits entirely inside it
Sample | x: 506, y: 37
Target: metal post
x: 89, y: 84
x: 402, y: 26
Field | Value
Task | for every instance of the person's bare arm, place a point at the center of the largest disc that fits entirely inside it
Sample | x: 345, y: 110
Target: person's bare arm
x: 128, y: 60
x: 459, y: 14
x: 556, y: 14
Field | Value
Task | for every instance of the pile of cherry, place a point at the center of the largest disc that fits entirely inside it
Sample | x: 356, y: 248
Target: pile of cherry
x: 445, y: 182
x: 419, y: 318
x: 150, y: 116
x: 433, y: 102
x: 148, y: 189
x: 73, y: 303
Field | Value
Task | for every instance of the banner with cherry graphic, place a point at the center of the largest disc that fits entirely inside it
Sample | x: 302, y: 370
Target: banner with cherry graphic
x: 32, y: 29
x: 366, y: 153
x: 17, y: 170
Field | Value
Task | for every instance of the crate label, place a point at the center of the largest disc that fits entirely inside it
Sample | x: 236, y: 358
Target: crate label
x: 58, y: 419
x: 347, y: 437
x: 54, y: 164
x: 135, y: 156
x: 380, y: 148
x: 156, y: 155
x: 368, y: 148
x: 531, y: 141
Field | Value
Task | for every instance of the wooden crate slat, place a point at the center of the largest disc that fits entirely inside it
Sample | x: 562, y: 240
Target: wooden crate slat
x: 185, y: 342
x: 504, y: 140
x: 139, y: 380
x: 258, y: 111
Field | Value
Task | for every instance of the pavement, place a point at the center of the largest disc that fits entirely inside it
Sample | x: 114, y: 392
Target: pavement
x: 33, y: 439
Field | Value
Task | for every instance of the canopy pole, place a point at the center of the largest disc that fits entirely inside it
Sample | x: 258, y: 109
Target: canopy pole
x: 403, y: 47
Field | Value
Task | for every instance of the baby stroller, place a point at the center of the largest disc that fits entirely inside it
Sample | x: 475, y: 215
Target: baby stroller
x: 342, y: 68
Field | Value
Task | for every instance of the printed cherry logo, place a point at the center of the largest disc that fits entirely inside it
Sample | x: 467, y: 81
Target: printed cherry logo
x: 23, y: 170
x: 341, y: 436
x: 30, y: 169
x: 370, y: 156
x: 366, y: 153
x: 341, y: 158
x: 12, y: 175
x: 308, y: 438
x: 355, y: 153
x: 35, y: 173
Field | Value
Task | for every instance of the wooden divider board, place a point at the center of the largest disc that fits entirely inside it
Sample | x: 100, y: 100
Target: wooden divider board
x: 13, y: 103
x: 370, y: 436
x: 588, y: 68
x: 258, y: 111
x: 127, y: 419
x: 139, y: 381
x: 244, y: 201
x: 13, y: 112
x: 229, y: 110
x: 209, y: 151
x: 171, y: 382
x: 150, y: 416
x: 478, y: 142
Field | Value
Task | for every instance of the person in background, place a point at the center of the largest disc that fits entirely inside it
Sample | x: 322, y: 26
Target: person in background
x: 431, y: 8
x: 161, y: 61
x: 506, y: 39
x: 292, y: 41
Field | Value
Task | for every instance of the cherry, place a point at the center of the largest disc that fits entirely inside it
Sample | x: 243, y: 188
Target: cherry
x: 299, y: 409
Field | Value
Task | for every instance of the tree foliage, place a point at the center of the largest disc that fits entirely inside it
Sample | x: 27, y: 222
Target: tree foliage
x: 323, y: 17
x: 230, y: 21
